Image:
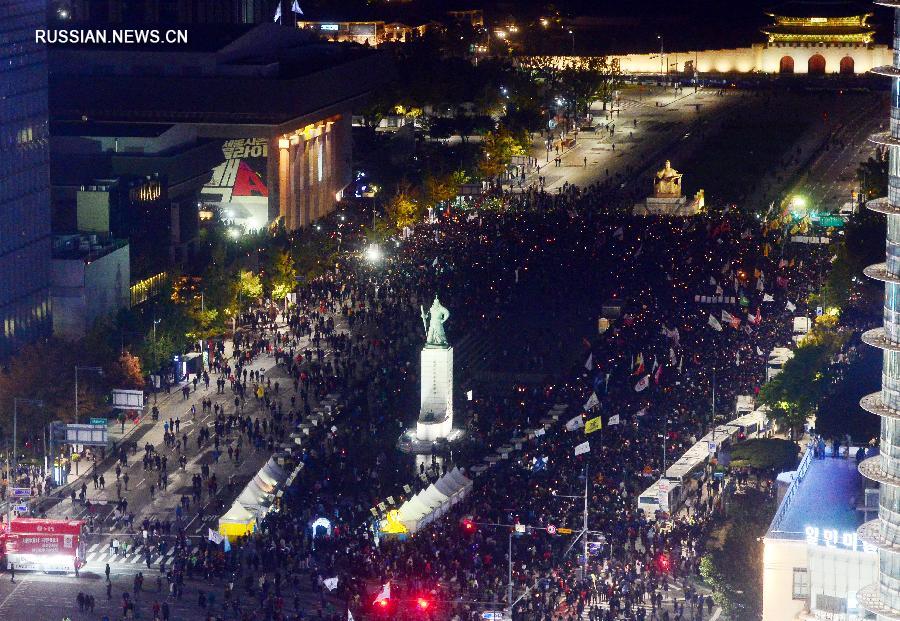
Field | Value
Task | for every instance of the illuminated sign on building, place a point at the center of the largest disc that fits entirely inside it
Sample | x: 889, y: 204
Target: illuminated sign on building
x: 832, y: 538
x: 146, y: 192
x: 329, y: 27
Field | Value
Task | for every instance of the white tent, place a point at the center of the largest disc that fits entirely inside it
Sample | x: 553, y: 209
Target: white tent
x: 434, y: 501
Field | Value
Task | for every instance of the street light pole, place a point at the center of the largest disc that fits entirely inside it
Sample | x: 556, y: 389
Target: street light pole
x: 12, y: 472
x: 662, y: 62
x: 509, y: 575
x: 572, y: 32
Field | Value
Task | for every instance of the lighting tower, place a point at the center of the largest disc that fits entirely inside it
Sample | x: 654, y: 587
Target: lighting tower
x: 883, y: 597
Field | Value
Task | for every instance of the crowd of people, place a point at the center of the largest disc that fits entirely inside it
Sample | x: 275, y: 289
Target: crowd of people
x: 654, y: 369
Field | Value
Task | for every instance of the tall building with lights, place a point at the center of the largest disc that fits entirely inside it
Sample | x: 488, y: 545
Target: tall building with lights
x: 883, y: 596
x: 24, y: 177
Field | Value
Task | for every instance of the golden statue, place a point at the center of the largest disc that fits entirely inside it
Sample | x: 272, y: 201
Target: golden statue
x: 667, y: 183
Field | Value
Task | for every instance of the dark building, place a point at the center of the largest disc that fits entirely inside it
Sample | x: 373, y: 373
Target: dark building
x: 24, y: 177
x: 164, y: 11
x: 262, y: 120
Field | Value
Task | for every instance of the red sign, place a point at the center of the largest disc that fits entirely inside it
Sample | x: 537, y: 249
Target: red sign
x: 42, y: 544
x: 40, y: 526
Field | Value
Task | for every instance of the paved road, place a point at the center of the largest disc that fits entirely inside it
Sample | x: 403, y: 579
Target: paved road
x: 662, y: 119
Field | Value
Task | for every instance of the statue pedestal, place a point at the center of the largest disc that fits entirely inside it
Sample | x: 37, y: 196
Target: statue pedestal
x: 436, y: 404
x: 435, y: 422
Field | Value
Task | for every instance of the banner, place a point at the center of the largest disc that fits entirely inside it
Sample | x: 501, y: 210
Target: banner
x: 582, y: 448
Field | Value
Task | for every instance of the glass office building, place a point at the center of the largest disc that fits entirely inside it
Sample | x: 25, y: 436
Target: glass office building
x: 24, y: 177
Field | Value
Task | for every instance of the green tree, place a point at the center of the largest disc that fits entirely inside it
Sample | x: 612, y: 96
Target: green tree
x: 794, y: 393
x: 497, y: 150
x: 404, y: 209
x: 250, y: 285
x: 873, y: 176
x: 284, y: 275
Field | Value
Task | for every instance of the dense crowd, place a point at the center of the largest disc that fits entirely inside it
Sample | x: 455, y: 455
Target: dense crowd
x: 491, y: 269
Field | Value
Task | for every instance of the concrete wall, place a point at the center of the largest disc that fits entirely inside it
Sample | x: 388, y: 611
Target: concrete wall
x: 759, y: 58
x: 84, y: 291
x: 780, y: 557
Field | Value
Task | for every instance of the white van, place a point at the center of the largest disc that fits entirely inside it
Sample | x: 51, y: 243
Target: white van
x: 802, y: 326
x: 777, y: 359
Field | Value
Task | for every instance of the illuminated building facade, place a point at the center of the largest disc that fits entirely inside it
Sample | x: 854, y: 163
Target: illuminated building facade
x: 811, y: 38
x: 24, y: 177
x: 882, y: 597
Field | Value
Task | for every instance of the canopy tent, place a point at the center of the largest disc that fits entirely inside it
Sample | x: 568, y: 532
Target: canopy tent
x: 432, y: 502
x: 237, y: 522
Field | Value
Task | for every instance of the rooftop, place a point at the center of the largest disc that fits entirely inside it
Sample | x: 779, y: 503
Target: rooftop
x: 825, y: 498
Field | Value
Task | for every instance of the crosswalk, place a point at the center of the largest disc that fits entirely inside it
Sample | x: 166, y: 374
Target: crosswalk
x: 101, y: 554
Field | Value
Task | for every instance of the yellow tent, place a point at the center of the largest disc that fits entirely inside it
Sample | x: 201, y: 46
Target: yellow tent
x: 391, y: 526
x: 237, y: 522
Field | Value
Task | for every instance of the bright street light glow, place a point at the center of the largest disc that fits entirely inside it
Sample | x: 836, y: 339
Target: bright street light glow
x: 373, y: 253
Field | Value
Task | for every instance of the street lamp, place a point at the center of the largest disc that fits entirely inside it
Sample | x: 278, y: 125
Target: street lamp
x: 373, y: 253
x: 572, y: 32
x: 97, y: 370
x: 662, y: 61
x: 12, y: 472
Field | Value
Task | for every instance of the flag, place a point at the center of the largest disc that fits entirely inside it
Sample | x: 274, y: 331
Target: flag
x: 216, y: 537
x: 642, y: 412
x: 613, y: 420
x: 349, y: 615
x: 726, y: 316
x: 759, y: 352
x: 589, y: 363
x: 642, y: 384
x: 278, y: 12
x: 672, y: 357
x: 592, y: 402
x: 640, y: 251
x: 539, y: 432
x: 330, y: 583
x: 638, y: 364
x: 737, y: 359
x: 296, y: 8
x: 575, y: 423
x: 385, y: 593
x: 581, y: 449
x: 434, y: 263
x: 758, y: 319
x: 791, y: 306
x: 227, y: 545
x: 680, y: 361
x: 748, y: 329
x: 658, y: 374
x: 768, y: 298
x: 539, y: 464
x: 619, y: 233
x: 593, y: 425
x: 712, y: 280
x: 714, y: 323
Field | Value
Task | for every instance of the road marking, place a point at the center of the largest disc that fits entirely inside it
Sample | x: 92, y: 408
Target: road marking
x: 11, y: 593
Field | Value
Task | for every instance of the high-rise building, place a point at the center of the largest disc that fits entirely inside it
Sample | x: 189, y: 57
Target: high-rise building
x: 883, y: 597
x: 166, y: 11
x: 24, y: 176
